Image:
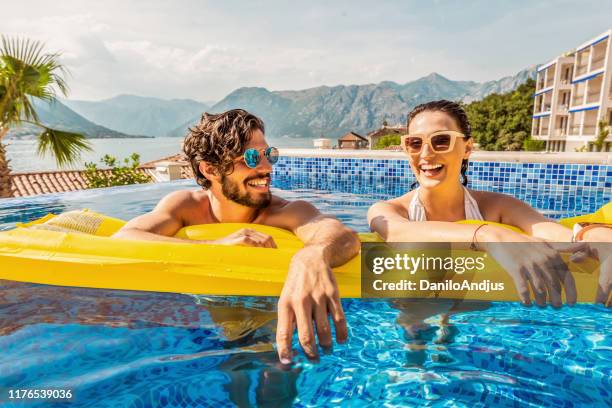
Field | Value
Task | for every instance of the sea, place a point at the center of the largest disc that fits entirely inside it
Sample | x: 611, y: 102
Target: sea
x: 23, y: 157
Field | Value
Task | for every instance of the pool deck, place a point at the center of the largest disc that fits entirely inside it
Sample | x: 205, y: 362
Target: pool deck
x: 512, y: 157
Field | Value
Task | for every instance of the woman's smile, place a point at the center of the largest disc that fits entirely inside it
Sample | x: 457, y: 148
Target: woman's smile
x: 430, y: 169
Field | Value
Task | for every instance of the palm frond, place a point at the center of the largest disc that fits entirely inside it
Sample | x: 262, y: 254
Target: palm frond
x: 27, y: 71
x: 65, y: 146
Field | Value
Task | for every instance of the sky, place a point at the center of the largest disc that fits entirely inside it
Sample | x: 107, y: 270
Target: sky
x: 203, y: 50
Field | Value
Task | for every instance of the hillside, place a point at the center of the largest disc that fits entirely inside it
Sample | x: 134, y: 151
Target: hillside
x: 137, y: 114
x: 59, y: 116
x: 333, y: 111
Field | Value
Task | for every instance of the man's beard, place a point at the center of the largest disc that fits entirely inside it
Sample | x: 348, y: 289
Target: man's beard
x: 231, y: 190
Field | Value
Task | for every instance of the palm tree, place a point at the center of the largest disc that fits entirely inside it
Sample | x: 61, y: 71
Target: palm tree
x: 27, y: 72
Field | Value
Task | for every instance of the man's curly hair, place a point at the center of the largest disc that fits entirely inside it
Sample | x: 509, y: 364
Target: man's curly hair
x: 218, y: 139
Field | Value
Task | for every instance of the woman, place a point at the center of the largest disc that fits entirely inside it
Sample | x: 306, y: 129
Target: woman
x: 438, y: 145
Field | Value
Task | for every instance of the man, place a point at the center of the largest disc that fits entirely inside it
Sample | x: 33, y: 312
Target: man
x: 233, y: 163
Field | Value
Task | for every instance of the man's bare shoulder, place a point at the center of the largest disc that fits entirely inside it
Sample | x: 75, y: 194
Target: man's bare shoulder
x: 182, y: 200
x: 288, y: 214
x: 277, y: 204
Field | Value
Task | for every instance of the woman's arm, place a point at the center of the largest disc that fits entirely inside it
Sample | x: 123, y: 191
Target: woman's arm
x: 513, y: 211
x: 542, y: 269
x: 390, y: 222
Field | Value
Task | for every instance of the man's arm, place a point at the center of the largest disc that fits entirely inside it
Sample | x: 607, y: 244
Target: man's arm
x: 166, y: 220
x: 161, y: 224
x: 311, y: 289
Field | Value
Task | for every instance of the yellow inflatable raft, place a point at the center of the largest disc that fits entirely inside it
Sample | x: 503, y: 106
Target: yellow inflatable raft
x: 74, y: 249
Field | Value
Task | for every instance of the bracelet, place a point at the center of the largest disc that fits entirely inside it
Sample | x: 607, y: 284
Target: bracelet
x: 579, y: 235
x: 473, y: 245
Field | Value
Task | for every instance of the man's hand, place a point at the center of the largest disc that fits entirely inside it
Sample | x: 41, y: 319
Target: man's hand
x: 310, y: 292
x: 246, y: 237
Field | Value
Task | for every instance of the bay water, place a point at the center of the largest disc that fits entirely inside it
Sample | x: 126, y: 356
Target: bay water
x: 23, y: 157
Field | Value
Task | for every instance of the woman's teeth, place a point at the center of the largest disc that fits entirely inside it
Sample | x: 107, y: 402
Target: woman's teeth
x: 430, y: 170
x: 431, y: 166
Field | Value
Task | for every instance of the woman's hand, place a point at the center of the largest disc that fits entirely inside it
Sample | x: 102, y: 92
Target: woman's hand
x: 533, y: 263
x: 600, y: 242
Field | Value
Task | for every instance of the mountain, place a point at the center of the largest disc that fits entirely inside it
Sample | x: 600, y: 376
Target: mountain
x: 334, y: 111
x: 59, y: 116
x: 137, y: 114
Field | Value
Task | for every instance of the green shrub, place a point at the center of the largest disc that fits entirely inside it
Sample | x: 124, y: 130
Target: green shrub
x: 388, y: 140
x: 119, y: 175
x: 602, y: 134
x: 531, y: 145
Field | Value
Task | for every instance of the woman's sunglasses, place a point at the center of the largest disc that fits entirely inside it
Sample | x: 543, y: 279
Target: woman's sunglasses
x: 252, y: 157
x: 442, y: 141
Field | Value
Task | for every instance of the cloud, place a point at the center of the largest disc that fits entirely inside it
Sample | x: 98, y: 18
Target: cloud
x: 204, y: 50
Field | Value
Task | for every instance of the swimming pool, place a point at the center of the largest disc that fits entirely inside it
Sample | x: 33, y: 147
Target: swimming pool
x: 120, y: 348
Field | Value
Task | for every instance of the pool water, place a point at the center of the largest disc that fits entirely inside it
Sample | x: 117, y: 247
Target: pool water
x: 122, y: 348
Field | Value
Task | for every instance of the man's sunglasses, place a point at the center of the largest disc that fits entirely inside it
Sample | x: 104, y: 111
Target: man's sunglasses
x: 252, y: 157
x: 442, y: 141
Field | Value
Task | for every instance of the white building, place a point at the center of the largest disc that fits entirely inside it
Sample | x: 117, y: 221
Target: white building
x: 574, y: 92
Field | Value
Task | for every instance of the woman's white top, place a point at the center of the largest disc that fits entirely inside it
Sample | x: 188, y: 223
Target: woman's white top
x: 416, y: 211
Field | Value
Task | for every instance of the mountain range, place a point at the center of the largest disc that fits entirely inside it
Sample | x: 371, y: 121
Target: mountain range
x: 334, y: 111
x: 59, y: 116
x: 137, y: 114
x: 324, y: 110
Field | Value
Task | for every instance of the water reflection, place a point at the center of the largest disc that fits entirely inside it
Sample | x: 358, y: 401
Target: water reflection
x: 213, y: 343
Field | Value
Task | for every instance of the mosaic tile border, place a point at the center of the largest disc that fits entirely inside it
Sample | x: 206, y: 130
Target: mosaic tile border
x: 523, y: 175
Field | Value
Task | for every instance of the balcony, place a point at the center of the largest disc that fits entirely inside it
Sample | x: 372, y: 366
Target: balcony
x: 589, y: 129
x: 578, y: 100
x: 562, y: 108
x: 593, y: 97
x: 580, y: 70
x: 574, y: 129
x: 560, y: 132
x: 550, y: 82
x: 597, y: 63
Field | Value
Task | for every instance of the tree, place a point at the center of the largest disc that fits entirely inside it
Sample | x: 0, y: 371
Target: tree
x: 503, y: 121
x: 27, y: 72
x: 117, y: 175
x: 388, y: 140
x: 602, y: 134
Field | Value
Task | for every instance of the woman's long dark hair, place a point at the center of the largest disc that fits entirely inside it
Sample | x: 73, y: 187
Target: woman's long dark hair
x: 454, y: 110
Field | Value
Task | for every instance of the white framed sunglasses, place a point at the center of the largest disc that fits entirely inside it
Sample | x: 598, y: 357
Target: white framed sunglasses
x: 442, y: 141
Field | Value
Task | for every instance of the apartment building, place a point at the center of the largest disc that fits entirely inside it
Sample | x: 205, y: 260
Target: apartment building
x: 573, y: 93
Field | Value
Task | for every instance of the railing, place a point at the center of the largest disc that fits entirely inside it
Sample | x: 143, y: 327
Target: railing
x: 565, y: 81
x: 589, y: 129
x: 597, y: 63
x: 577, y: 100
x: 574, y: 130
x: 593, y: 96
x: 582, y: 69
x: 546, y: 107
x: 563, y: 108
x: 560, y: 132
